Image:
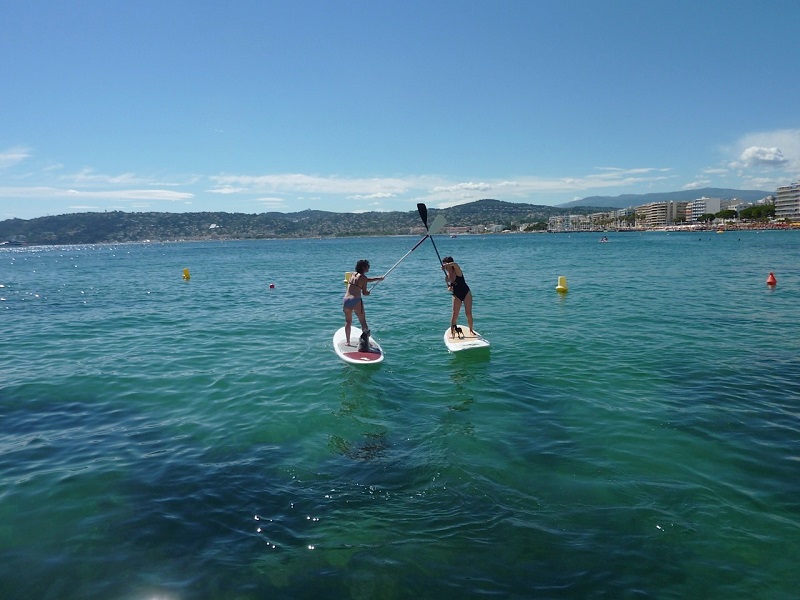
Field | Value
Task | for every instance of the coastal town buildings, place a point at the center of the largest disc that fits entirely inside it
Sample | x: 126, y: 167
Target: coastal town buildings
x: 675, y: 214
x: 787, y: 202
x: 626, y: 218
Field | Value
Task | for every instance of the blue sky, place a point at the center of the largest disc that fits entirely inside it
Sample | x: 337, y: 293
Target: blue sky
x: 255, y: 105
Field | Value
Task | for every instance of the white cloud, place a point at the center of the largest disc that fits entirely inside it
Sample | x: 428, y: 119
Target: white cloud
x: 470, y: 186
x: 53, y: 192
x: 695, y: 185
x: 525, y: 188
x: 618, y: 173
x: 272, y: 203
x: 31, y: 192
x: 13, y: 156
x: 779, y: 149
x: 86, y: 176
x: 227, y: 189
x: 756, y: 156
x: 763, y: 183
x: 608, y: 177
x: 334, y: 192
x: 375, y: 196
x: 167, y: 195
x: 299, y: 183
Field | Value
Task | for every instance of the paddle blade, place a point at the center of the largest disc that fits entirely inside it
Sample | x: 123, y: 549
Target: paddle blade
x: 437, y: 224
x: 423, y: 213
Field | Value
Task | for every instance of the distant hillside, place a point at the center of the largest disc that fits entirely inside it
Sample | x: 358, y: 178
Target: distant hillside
x: 627, y: 200
x: 116, y: 226
x: 498, y: 212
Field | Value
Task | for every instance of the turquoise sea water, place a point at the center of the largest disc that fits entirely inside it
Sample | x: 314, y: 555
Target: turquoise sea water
x: 637, y: 437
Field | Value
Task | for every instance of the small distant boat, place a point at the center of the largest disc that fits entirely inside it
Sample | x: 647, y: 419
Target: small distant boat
x: 453, y: 235
x: 720, y: 231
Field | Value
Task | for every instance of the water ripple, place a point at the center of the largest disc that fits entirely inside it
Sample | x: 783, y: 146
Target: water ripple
x: 634, y: 437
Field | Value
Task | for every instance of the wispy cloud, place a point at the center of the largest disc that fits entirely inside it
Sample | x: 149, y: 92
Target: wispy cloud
x: 54, y: 192
x: 13, y: 156
x: 469, y: 187
x: 298, y: 183
x: 434, y: 189
x: 755, y: 161
x: 370, y: 193
x: 293, y: 191
x: 227, y: 189
x: 542, y: 189
x: 763, y: 183
x: 382, y: 188
x: 90, y: 176
x: 375, y: 196
x: 697, y: 184
x: 272, y: 204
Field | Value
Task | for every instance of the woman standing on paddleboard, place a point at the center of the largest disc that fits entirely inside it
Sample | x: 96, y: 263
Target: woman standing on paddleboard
x: 461, y: 292
x: 356, y: 286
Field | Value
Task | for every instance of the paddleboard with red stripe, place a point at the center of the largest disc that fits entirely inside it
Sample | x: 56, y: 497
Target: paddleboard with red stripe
x: 351, y: 354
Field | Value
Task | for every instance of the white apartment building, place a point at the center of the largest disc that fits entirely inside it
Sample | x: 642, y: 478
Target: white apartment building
x: 787, y: 202
x: 562, y: 223
x: 661, y: 214
x: 702, y: 206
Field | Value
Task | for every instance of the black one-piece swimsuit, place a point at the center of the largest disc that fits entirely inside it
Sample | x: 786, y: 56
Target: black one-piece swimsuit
x: 460, y: 288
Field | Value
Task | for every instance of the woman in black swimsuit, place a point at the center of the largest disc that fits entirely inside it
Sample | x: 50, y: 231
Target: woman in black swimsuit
x: 461, y: 292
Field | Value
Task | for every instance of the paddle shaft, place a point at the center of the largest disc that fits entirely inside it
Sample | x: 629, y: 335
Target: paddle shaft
x: 437, y: 224
x: 417, y: 245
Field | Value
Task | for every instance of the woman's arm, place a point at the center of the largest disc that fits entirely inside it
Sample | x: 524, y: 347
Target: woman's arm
x: 368, y: 280
x: 449, y: 276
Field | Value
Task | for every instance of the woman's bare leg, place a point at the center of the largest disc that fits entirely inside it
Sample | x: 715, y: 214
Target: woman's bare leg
x: 468, y: 310
x: 348, y: 321
x: 362, y: 316
x: 456, y: 310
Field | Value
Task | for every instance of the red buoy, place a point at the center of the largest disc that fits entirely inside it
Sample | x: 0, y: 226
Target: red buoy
x: 771, y: 281
x: 272, y: 286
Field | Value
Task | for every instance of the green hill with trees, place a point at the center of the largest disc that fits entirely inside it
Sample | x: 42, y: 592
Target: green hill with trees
x: 117, y: 227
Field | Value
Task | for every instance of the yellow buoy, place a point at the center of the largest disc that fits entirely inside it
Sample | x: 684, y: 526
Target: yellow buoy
x: 562, y: 284
x: 347, y: 275
x: 186, y: 275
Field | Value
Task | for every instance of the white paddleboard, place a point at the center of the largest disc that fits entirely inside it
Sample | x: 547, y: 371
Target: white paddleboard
x: 351, y: 354
x: 468, y: 342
